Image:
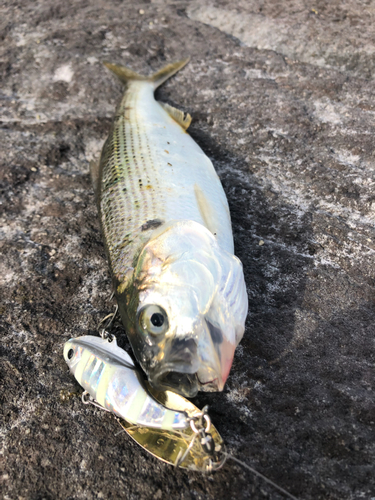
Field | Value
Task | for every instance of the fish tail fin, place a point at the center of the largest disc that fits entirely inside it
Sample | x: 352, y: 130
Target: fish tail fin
x: 163, y: 74
x: 125, y: 74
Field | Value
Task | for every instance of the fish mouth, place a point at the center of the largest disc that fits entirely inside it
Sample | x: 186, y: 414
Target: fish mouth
x: 186, y: 384
x: 211, y: 383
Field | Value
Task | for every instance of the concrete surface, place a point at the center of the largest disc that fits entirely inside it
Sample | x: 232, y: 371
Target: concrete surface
x: 282, y: 99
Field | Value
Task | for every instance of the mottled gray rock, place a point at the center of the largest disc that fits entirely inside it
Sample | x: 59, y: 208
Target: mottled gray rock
x: 282, y: 99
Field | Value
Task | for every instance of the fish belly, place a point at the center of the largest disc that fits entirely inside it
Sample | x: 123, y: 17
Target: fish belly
x: 153, y: 172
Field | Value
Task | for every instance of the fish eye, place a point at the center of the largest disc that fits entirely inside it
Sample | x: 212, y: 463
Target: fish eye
x: 153, y: 319
x: 157, y: 319
x: 70, y: 353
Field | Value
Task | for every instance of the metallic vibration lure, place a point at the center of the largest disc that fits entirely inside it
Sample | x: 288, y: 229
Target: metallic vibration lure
x: 165, y: 424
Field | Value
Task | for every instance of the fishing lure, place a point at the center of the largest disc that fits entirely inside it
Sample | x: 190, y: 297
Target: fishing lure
x: 164, y: 423
x: 108, y: 374
x: 175, y: 431
x: 167, y: 231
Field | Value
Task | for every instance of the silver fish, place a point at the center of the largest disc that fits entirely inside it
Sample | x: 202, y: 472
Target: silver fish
x: 167, y: 230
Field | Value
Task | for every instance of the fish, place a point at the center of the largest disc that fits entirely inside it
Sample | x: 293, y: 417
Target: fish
x: 109, y: 375
x: 167, y: 230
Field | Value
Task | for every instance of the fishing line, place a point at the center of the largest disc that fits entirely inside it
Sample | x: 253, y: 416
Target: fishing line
x: 256, y: 473
x: 131, y: 428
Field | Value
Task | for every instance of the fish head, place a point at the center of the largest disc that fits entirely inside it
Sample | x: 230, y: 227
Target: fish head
x: 187, y: 309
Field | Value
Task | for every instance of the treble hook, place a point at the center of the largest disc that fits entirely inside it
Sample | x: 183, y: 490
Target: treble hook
x: 103, y: 331
x: 200, y: 424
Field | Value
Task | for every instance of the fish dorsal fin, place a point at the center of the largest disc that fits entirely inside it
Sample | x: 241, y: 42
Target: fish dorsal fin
x: 95, y: 175
x: 177, y: 115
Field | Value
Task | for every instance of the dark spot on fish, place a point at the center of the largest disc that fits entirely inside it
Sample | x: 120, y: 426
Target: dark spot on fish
x: 151, y: 224
x: 170, y: 164
x: 216, y: 333
x: 184, y: 350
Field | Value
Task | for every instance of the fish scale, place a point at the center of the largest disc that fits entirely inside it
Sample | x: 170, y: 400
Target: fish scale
x: 131, y: 193
x: 137, y: 175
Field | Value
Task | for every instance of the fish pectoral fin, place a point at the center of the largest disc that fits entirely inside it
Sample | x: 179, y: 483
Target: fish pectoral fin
x: 94, y: 172
x: 124, y: 280
x: 178, y: 115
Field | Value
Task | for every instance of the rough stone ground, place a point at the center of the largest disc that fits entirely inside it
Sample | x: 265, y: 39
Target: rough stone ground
x: 282, y: 96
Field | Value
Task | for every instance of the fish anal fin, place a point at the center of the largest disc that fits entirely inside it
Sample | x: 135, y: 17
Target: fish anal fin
x: 206, y: 210
x: 178, y: 115
x: 95, y: 175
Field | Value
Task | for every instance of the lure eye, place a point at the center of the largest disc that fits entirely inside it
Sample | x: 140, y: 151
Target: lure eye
x: 153, y: 319
x: 70, y: 353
